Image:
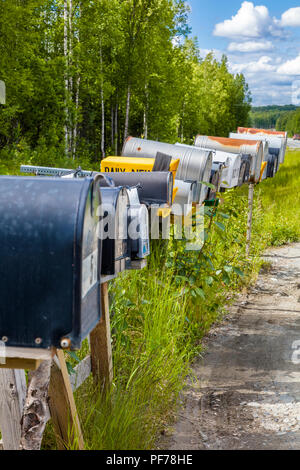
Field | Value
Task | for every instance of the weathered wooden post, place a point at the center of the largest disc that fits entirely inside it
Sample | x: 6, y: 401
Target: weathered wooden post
x: 100, y: 342
x: 12, y: 399
x: 63, y: 408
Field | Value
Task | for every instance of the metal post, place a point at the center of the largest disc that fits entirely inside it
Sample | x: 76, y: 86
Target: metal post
x: 250, y: 217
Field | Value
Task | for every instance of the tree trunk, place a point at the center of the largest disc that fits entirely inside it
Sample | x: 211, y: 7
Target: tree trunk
x: 146, y: 112
x: 36, y: 411
x: 182, y: 124
x: 78, y: 80
x: 70, y: 57
x: 102, y: 107
x: 75, y: 128
x: 127, y: 112
x: 116, y: 128
x: 112, y: 126
x: 103, y: 125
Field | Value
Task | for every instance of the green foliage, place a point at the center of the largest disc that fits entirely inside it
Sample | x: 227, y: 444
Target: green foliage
x: 160, y: 315
x: 127, y: 67
x: 290, y: 122
x: 280, y: 199
x: 271, y: 117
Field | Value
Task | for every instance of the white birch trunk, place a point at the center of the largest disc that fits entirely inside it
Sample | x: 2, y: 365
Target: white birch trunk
x: 116, y: 128
x: 66, y: 55
x: 70, y: 57
x: 112, y: 126
x: 102, y: 106
x: 146, y: 112
x: 75, y: 128
x: 78, y: 80
x: 127, y: 112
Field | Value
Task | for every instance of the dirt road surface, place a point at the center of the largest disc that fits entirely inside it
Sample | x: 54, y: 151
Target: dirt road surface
x: 245, y: 393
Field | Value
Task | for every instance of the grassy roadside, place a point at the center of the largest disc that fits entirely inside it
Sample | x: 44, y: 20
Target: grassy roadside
x: 160, y: 315
x: 158, y: 320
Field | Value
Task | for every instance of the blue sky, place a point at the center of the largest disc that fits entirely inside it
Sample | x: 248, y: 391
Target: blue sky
x: 261, y: 40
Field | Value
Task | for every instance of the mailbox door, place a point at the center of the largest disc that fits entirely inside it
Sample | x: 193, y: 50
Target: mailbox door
x: 89, y: 252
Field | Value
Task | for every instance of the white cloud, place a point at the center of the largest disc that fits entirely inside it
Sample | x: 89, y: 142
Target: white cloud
x: 249, y: 22
x: 216, y: 52
x: 263, y: 64
x: 250, y: 46
x: 290, y: 67
x: 291, y: 17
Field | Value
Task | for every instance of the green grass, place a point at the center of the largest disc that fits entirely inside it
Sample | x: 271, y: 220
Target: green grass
x: 158, y: 325
x: 160, y: 315
x: 281, y: 202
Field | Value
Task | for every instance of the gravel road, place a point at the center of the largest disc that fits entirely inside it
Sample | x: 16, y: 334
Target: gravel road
x: 245, y: 391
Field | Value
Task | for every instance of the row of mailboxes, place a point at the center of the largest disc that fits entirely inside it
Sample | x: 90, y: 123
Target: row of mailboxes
x: 119, y: 211
x: 271, y: 142
x: 233, y: 146
x: 270, y: 136
x: 195, y: 164
x: 60, y: 237
x: 151, y: 174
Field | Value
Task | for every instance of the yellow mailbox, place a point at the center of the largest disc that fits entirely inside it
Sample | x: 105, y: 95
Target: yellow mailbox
x: 134, y: 164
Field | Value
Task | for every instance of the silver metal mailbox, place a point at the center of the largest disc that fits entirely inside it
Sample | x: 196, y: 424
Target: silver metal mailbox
x: 247, y: 147
x: 187, y: 194
x: 267, y: 133
x: 195, y: 164
x: 231, y: 173
x: 273, y: 142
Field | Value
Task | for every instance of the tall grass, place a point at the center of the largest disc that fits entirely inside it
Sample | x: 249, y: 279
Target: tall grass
x: 157, y: 325
x: 281, y: 202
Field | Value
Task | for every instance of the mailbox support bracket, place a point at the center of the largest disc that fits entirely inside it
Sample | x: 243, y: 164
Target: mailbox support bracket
x: 100, y: 342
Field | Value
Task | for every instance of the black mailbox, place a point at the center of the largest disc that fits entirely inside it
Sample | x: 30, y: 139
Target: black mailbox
x: 153, y: 187
x: 215, y: 179
x: 114, y: 217
x: 275, y: 153
x: 272, y: 165
x: 247, y: 159
x: 50, y: 252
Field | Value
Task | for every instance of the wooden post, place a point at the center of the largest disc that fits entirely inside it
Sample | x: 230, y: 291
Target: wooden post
x: 250, y: 217
x: 12, y: 399
x: 100, y: 339
x: 36, y: 413
x: 63, y: 408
